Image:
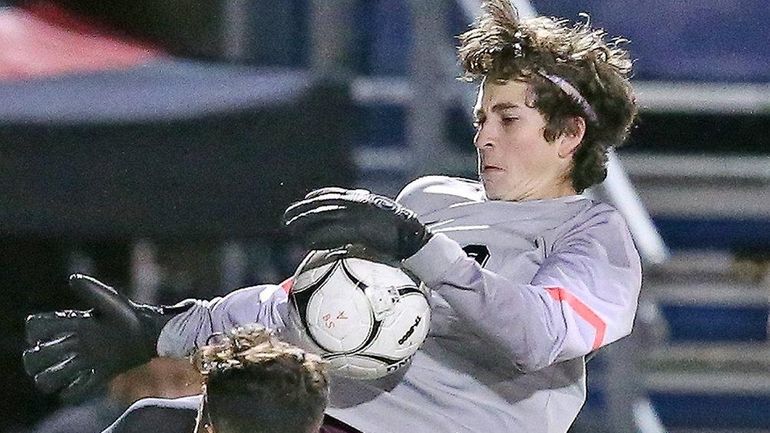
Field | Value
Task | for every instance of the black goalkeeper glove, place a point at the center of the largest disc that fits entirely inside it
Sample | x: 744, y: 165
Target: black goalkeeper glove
x: 333, y: 217
x: 77, y: 352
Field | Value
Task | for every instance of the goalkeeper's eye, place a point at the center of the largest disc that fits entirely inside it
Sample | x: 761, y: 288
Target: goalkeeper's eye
x: 478, y: 123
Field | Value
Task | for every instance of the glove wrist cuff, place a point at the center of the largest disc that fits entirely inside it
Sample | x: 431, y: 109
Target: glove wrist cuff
x: 413, y: 240
x: 154, y: 318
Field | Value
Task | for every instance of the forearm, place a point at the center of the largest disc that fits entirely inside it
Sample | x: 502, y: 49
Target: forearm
x: 537, y: 324
x: 508, y: 315
x: 265, y: 304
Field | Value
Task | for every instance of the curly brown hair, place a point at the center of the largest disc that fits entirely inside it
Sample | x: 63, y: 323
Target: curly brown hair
x: 500, y: 46
x: 255, y: 383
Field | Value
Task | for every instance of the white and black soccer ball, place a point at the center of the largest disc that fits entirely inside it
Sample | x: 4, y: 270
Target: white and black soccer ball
x: 365, y: 318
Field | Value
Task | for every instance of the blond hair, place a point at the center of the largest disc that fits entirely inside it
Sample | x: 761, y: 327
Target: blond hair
x: 254, y: 382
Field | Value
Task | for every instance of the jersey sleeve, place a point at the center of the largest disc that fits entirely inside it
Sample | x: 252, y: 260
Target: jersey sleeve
x: 412, y: 195
x: 187, y: 331
x: 147, y: 414
x: 583, y: 296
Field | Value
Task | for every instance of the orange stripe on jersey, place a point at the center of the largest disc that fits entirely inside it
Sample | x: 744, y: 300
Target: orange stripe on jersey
x: 583, y: 311
x: 287, y: 284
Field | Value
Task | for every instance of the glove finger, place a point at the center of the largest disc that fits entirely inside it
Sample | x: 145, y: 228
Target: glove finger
x: 59, y: 375
x: 46, y: 326
x: 306, y: 211
x: 83, y: 386
x: 336, y: 190
x: 106, y: 302
x: 316, y: 201
x: 326, y: 190
x: 47, y: 353
x: 331, y: 199
x: 318, y: 218
x: 327, y: 204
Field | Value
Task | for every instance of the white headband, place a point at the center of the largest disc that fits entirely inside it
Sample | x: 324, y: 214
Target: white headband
x: 572, y: 92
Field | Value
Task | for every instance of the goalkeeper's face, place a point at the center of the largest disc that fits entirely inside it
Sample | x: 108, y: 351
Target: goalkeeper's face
x: 515, y: 161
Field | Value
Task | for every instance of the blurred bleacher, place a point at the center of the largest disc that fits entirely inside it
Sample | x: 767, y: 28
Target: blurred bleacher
x: 699, y: 161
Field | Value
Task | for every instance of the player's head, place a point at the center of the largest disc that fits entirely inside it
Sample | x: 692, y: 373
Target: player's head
x: 255, y: 383
x: 544, y: 82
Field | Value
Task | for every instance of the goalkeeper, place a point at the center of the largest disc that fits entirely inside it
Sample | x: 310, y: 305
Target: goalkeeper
x: 527, y: 276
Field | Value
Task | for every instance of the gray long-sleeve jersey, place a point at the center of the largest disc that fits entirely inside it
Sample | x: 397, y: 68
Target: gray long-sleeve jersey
x: 520, y: 293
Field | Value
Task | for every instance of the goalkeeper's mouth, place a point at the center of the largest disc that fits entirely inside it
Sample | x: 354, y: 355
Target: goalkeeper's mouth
x: 490, y: 169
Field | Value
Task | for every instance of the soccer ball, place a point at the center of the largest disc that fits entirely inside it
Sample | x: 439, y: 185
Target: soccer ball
x: 366, y: 319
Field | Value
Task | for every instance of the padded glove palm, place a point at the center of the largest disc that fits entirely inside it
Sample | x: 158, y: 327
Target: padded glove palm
x: 333, y: 217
